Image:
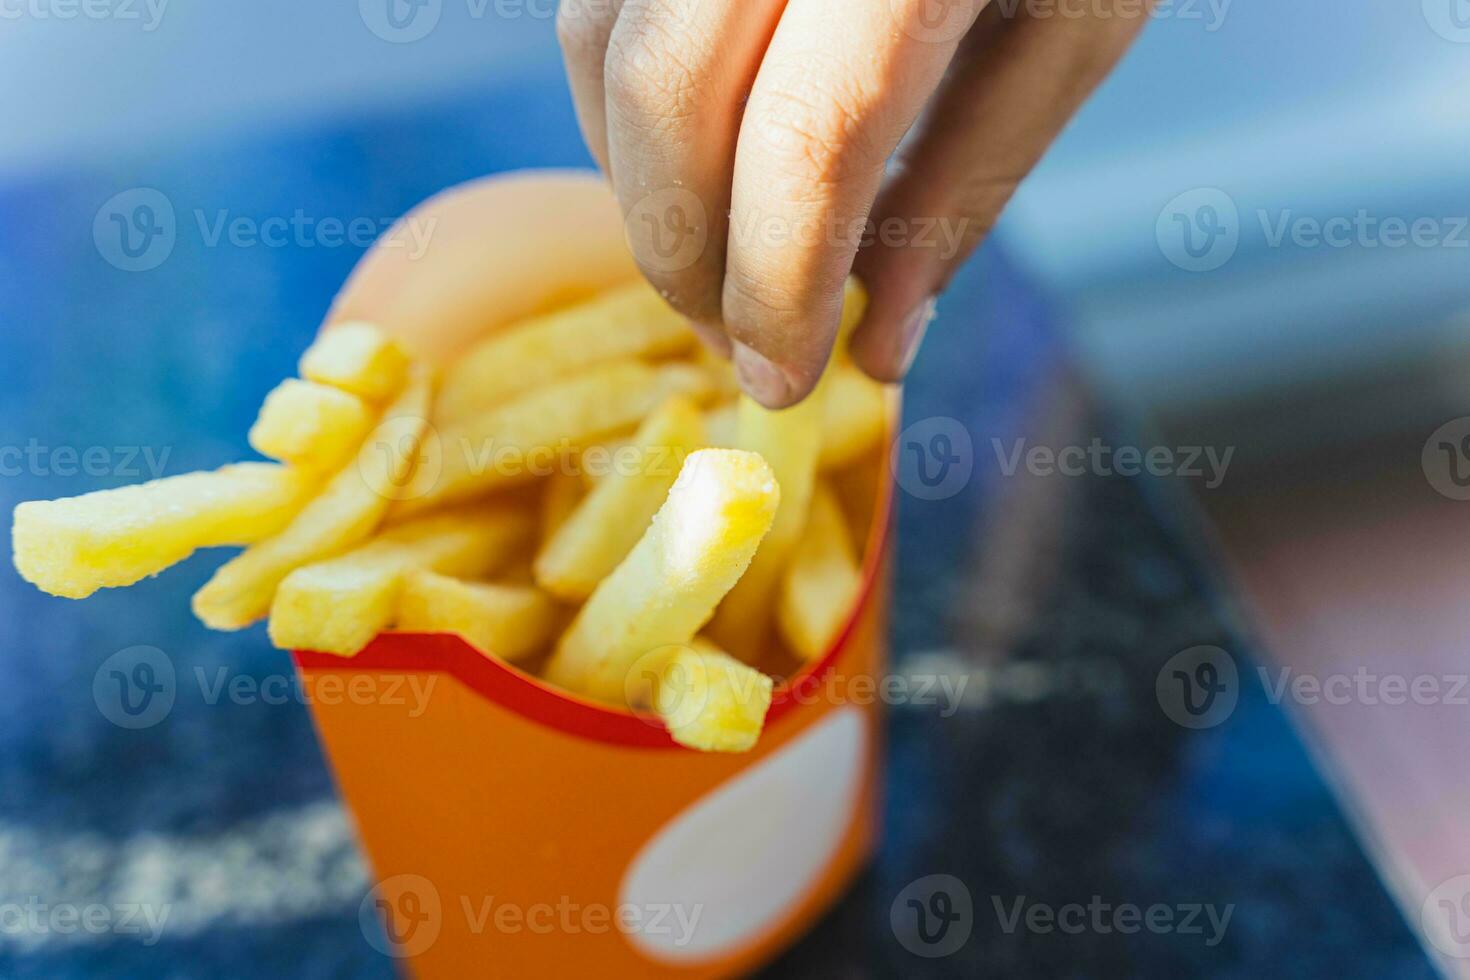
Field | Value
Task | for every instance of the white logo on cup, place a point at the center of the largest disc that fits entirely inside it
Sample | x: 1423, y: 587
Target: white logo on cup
x: 667, y: 230
x: 1446, y: 459
x: 136, y: 229
x: 1450, y: 19
x: 400, y: 21
x: 135, y: 687
x: 401, y: 916
x: 1445, y: 917
x: 1198, y: 687
x: 1199, y: 230
x: 932, y: 917
x: 933, y: 458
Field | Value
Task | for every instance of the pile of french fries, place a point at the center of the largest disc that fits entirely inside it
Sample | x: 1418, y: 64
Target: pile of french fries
x: 585, y: 494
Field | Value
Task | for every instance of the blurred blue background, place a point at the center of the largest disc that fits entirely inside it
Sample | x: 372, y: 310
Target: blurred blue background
x: 224, y: 808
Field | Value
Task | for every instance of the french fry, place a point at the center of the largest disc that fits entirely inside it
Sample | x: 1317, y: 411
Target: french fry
x: 520, y: 439
x: 700, y: 541
x: 822, y: 581
x: 854, y: 307
x: 722, y: 425
x: 604, y: 457
x: 559, y: 498
x: 707, y: 699
x: 790, y: 441
x: 854, y: 416
x: 632, y: 321
x: 112, y: 538
x: 721, y: 372
x: 613, y: 516
x: 348, y: 510
x: 510, y: 621
x: 310, y: 425
x: 339, y: 605
x: 358, y: 357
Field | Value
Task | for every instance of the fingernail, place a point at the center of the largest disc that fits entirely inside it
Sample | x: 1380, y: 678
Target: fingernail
x: 911, y: 334
x: 761, y: 379
x: 712, y: 337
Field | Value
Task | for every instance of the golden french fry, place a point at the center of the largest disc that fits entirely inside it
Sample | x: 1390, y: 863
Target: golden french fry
x: 854, y: 416
x: 521, y: 439
x: 359, y: 357
x: 606, y: 456
x: 112, y: 538
x: 339, y: 605
x: 822, y: 581
x: 631, y: 321
x: 721, y: 372
x: 348, y: 510
x: 310, y: 425
x: 509, y: 621
x: 559, y: 498
x: 709, y: 700
x: 613, y: 516
x: 699, y: 543
x: 854, y: 306
x: 790, y: 441
x: 858, y: 489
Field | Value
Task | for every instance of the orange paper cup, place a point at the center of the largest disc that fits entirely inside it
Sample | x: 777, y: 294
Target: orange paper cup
x: 517, y: 830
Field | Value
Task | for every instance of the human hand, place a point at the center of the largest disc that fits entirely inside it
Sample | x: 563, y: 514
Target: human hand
x: 747, y: 141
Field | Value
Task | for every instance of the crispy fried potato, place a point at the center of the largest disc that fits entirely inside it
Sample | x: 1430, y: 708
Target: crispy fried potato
x: 509, y: 621
x: 559, y: 498
x: 700, y: 541
x: 112, y: 538
x: 854, y: 416
x: 359, y: 357
x: 822, y: 581
x: 854, y: 307
x: 722, y: 425
x: 310, y: 425
x: 709, y: 700
x: 348, y: 510
x: 613, y: 516
x: 790, y: 441
x: 606, y: 456
x: 522, y: 438
x: 339, y: 605
x: 631, y: 321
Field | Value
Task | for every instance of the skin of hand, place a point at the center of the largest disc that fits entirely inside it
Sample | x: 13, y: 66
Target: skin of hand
x: 751, y: 145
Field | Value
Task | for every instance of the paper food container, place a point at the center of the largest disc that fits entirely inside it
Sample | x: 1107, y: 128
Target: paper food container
x: 516, y: 830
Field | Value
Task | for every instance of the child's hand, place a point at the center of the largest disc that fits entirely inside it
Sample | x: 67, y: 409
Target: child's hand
x: 746, y: 140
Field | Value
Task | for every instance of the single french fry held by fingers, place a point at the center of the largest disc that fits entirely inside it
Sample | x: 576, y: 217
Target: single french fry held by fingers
x: 359, y: 357
x: 706, y: 698
x: 113, y: 538
x: 630, y: 321
x: 699, y: 543
x: 511, y: 621
x: 608, y: 522
x: 822, y: 581
x: 346, y: 512
x: 521, y: 439
x: 311, y: 425
x: 854, y: 416
x: 722, y: 425
x: 340, y: 604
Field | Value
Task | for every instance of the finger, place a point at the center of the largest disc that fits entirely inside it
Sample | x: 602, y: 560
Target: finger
x: 676, y: 76
x: 584, y: 27
x: 839, y: 86
x: 1008, y: 94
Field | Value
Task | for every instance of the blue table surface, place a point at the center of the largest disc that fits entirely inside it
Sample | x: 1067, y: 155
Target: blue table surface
x: 224, y: 809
